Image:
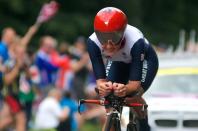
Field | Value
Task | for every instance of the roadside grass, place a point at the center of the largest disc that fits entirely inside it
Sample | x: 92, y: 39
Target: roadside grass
x: 91, y: 126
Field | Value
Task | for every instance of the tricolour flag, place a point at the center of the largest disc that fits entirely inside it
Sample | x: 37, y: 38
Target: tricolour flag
x: 47, y: 11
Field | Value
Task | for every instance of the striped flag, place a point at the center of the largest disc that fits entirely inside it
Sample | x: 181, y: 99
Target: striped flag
x: 47, y: 11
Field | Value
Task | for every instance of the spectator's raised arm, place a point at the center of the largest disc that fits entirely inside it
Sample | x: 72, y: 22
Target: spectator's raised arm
x: 28, y: 36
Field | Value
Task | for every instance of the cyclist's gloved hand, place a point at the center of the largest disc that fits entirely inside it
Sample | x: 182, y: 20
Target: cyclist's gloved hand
x: 120, y: 90
x: 104, y: 87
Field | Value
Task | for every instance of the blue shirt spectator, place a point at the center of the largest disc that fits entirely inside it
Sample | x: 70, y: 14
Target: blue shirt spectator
x: 67, y: 101
x: 8, y: 37
x: 46, y: 68
x: 44, y: 62
x: 3, y: 56
x: 73, y: 106
x: 3, y: 51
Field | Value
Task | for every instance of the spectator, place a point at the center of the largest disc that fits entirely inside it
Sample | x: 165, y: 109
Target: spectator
x: 13, y: 109
x: 8, y: 37
x: 71, y: 124
x: 26, y: 92
x: 44, y: 63
x: 63, y: 61
x: 79, y: 52
x: 8, y: 76
x: 26, y: 89
x: 161, y: 47
x: 15, y: 63
x: 67, y: 67
x: 50, y: 113
x: 191, y: 47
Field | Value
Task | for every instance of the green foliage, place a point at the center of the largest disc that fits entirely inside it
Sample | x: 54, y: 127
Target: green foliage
x: 159, y: 20
x: 91, y: 126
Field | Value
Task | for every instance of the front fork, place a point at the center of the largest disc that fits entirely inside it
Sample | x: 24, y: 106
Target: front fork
x: 133, y: 124
x: 113, y: 121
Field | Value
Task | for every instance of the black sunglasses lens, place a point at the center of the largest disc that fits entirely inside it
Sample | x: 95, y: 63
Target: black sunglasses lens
x: 115, y: 37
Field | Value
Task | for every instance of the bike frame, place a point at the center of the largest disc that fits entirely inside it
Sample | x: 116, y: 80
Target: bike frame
x: 114, y: 116
x: 113, y: 119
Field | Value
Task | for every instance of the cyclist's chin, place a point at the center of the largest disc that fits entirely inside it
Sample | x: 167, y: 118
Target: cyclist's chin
x: 109, y: 53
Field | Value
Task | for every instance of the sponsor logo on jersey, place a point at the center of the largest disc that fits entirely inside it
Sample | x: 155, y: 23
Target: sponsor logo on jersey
x: 144, y: 70
x: 142, y: 57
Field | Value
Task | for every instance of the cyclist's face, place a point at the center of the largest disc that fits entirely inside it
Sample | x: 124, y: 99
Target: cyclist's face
x: 110, y: 48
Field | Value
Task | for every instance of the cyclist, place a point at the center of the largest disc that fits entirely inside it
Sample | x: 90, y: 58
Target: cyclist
x: 122, y: 59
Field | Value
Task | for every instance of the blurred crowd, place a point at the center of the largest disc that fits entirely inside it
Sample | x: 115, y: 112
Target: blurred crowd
x: 39, y: 89
x: 186, y: 48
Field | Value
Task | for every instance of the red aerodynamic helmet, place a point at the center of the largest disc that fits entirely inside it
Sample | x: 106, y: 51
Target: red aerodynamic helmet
x: 110, y: 24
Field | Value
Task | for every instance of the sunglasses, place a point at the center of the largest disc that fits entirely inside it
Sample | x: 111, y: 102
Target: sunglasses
x: 104, y: 37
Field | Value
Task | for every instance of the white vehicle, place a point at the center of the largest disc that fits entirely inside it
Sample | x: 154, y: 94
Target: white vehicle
x: 173, y: 97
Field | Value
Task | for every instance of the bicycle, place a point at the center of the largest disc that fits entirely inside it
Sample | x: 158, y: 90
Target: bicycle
x: 114, y: 116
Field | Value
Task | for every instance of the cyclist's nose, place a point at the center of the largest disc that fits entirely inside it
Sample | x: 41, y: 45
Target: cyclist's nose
x: 109, y: 44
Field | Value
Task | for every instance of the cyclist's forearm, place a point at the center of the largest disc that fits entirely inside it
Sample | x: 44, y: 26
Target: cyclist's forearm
x: 133, y: 86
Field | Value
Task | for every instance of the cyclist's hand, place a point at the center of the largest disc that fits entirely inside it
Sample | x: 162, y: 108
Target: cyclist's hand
x: 120, y: 90
x: 104, y: 88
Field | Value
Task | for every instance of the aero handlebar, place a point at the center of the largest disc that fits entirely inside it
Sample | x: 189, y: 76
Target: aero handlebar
x: 115, y: 103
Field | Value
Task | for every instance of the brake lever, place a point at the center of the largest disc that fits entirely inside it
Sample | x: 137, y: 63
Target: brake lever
x: 144, y: 107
